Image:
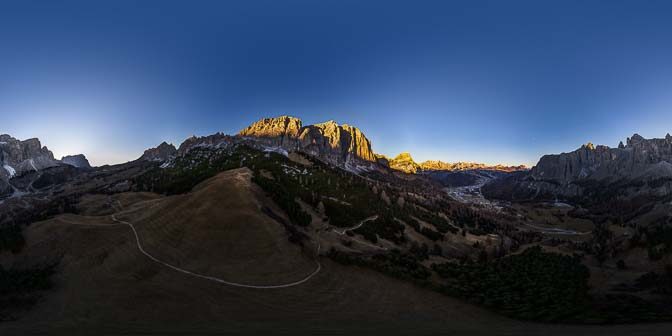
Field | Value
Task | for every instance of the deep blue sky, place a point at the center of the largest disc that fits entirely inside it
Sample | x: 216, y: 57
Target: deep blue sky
x: 488, y: 81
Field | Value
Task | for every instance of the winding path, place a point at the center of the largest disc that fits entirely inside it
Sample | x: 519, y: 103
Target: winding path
x: 557, y: 231
x: 356, y: 226
x: 203, y: 276
x: 344, y: 231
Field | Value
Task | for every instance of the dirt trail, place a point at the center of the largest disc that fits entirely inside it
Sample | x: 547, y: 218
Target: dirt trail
x: 203, y: 276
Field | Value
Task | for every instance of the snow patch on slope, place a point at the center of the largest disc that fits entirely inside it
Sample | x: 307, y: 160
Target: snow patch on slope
x: 32, y: 164
x: 10, y: 170
x: 278, y: 150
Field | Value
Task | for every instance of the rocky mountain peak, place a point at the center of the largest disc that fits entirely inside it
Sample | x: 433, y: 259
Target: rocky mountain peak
x: 404, y: 162
x: 557, y: 173
x: 635, y: 139
x: 19, y: 156
x: 283, y: 126
x: 162, y: 152
x: 216, y: 140
x: 328, y: 140
x: 78, y: 161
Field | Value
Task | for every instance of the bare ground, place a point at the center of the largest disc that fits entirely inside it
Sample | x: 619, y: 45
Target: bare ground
x: 106, y: 286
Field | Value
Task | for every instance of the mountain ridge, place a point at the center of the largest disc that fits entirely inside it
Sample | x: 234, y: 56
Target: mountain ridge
x: 404, y: 162
x: 592, y: 169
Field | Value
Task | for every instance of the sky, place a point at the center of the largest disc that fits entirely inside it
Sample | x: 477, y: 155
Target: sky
x: 484, y: 81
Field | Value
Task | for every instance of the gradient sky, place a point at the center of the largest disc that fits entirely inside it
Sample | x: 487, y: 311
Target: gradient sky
x: 487, y: 81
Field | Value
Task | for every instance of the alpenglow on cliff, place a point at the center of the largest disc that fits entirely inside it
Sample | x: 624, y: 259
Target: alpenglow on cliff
x: 329, y: 140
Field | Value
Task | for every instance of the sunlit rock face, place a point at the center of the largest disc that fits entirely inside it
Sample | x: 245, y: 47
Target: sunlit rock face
x: 329, y: 140
x: 432, y: 165
x: 404, y: 162
x: 281, y: 131
x: 18, y: 157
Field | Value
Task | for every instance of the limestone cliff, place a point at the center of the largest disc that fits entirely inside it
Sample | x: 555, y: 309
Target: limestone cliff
x: 161, y: 153
x: 78, y: 161
x: 404, y: 162
x: 329, y: 140
x: 646, y: 163
x: 17, y: 156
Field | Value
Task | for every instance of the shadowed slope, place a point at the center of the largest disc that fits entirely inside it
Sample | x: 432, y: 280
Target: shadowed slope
x: 106, y: 285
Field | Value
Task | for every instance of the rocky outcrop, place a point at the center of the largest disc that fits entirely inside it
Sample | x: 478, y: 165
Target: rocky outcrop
x: 18, y: 157
x: 161, y: 153
x: 340, y: 144
x: 404, y: 162
x: 78, y: 161
x: 589, y: 169
x: 217, y: 140
x: 281, y: 131
x: 432, y: 165
x: 602, y: 162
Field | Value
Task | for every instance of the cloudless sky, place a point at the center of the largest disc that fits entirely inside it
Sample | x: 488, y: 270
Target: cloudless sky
x: 487, y: 81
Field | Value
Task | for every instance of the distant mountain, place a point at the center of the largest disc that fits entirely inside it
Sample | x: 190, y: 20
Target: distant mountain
x: 162, y: 152
x: 17, y: 156
x: 23, y: 162
x: 404, y: 162
x: 339, y: 144
x: 217, y: 140
x: 640, y: 167
x: 342, y: 145
x: 78, y: 161
x: 462, y: 166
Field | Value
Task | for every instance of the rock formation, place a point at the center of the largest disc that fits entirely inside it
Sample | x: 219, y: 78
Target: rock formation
x: 162, y: 152
x: 601, y: 162
x: 18, y: 157
x: 568, y: 175
x: 216, y: 140
x: 330, y: 141
x: 404, y: 162
x: 78, y: 161
x: 461, y: 166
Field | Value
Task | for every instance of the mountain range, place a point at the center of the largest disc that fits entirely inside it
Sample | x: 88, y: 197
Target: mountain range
x: 282, y: 211
x: 558, y: 176
x: 640, y: 169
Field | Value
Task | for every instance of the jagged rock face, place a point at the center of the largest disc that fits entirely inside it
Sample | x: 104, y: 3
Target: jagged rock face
x: 404, y: 162
x: 78, y: 161
x: 602, y: 162
x: 161, y: 153
x: 17, y: 157
x: 330, y: 141
x: 216, y: 140
x: 432, y: 165
x: 282, y: 131
x: 590, y: 169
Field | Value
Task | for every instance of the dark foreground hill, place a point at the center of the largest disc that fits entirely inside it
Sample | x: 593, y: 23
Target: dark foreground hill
x: 106, y: 285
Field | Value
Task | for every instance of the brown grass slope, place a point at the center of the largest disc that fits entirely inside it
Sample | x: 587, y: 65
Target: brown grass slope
x: 106, y: 286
